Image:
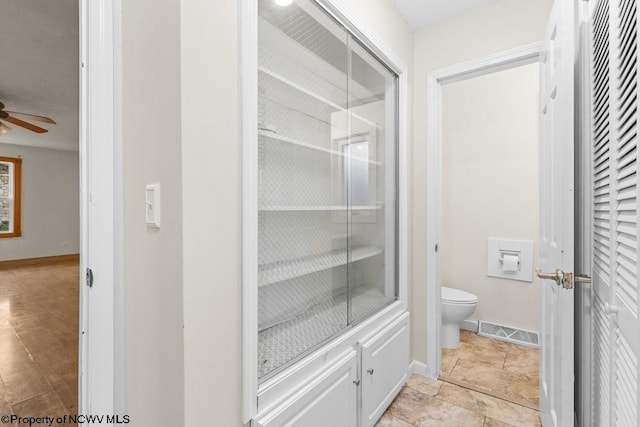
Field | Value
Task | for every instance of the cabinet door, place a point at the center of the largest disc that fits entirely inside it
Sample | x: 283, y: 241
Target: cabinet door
x: 328, y: 400
x: 385, y: 367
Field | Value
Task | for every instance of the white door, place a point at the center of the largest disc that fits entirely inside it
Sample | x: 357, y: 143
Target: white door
x: 556, y: 218
x: 615, y: 161
x: 385, y: 368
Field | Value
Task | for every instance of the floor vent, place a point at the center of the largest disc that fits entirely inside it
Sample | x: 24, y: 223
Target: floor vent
x: 508, y: 334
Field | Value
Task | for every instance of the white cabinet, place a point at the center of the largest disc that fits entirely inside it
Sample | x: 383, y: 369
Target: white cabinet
x: 345, y: 393
x: 385, y: 362
x: 328, y: 400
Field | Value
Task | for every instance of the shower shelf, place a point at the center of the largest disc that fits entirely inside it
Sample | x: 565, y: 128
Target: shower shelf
x: 285, y: 270
x: 272, y: 136
x: 312, y: 94
x: 319, y: 208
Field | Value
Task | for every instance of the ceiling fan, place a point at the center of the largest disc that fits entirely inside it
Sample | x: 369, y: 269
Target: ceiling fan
x: 9, y: 117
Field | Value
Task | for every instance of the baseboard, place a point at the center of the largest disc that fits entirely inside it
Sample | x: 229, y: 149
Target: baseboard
x: 470, y: 325
x: 34, y: 262
x: 419, y: 368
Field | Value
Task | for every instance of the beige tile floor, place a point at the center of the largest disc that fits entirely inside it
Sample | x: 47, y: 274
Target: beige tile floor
x: 501, y: 369
x: 39, y: 340
x: 429, y: 403
x: 479, y: 383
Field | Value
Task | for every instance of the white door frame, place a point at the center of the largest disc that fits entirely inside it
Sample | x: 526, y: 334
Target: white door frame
x: 584, y: 221
x: 523, y: 55
x: 101, y: 335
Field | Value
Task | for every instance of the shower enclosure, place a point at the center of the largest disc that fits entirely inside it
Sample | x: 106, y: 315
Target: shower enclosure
x: 327, y: 182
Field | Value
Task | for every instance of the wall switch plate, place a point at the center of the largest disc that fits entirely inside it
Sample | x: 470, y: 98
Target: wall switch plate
x: 152, y: 205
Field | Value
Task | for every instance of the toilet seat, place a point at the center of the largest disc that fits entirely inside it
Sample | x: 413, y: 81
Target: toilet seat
x: 457, y: 296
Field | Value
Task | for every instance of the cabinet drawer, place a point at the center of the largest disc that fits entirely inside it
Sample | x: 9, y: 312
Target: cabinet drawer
x: 385, y: 367
x: 328, y: 400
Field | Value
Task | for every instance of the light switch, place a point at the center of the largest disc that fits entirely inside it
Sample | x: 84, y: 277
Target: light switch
x: 152, y: 202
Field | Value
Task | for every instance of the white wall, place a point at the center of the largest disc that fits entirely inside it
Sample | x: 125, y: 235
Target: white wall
x: 211, y: 183
x: 50, y: 203
x: 153, y: 257
x: 492, y: 28
x: 490, y: 188
x: 211, y: 213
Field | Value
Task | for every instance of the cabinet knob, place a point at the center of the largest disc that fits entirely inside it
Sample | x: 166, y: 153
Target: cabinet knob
x: 356, y: 382
x: 370, y: 371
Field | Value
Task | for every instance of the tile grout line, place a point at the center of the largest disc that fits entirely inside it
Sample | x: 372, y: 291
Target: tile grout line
x: 29, y: 398
x: 37, y: 365
x: 462, y: 384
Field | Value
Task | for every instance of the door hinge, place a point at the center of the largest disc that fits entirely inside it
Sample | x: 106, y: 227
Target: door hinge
x: 89, y: 277
x: 567, y: 280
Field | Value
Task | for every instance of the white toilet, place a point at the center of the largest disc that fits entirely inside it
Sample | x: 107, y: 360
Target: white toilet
x: 457, y: 305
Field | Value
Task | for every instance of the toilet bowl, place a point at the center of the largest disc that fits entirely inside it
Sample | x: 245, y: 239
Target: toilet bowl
x: 457, y: 305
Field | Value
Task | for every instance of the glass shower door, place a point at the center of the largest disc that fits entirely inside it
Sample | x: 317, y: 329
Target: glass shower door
x: 327, y: 140
x: 370, y: 148
x: 303, y: 235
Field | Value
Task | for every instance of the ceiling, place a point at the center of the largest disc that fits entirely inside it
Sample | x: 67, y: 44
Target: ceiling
x: 422, y: 13
x: 39, y: 69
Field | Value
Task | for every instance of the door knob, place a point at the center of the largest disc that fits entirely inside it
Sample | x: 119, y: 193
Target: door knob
x: 582, y: 278
x: 556, y: 275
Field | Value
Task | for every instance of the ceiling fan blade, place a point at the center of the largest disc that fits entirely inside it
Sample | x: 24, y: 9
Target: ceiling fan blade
x: 4, y: 128
x: 33, y: 117
x: 29, y: 126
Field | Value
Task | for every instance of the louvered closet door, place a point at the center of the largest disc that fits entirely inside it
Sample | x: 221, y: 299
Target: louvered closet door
x: 616, y: 329
x: 601, y: 169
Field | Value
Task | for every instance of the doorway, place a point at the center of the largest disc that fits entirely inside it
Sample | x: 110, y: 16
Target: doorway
x: 528, y: 56
x: 489, y: 215
x: 100, y: 331
x: 39, y: 208
x: 525, y: 55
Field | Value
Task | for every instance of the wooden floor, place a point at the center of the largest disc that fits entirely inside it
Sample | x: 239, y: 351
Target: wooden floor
x: 39, y: 339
